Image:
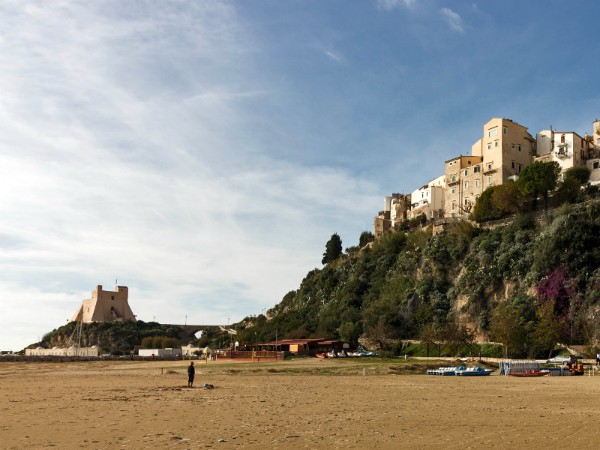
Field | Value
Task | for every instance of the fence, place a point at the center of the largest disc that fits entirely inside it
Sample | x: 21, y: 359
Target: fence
x: 250, y: 354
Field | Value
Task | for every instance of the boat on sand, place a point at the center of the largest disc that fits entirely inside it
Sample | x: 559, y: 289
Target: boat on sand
x: 445, y: 371
x: 474, y: 372
x: 530, y: 373
x: 460, y: 371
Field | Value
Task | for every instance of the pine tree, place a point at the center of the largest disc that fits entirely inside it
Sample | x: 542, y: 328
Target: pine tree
x: 333, y: 249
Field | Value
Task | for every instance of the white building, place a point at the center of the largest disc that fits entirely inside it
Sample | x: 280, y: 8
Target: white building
x: 159, y: 352
x: 566, y: 148
x: 69, y: 351
x: 429, y: 199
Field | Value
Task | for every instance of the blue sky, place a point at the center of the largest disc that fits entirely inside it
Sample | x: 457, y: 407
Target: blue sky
x: 202, y: 153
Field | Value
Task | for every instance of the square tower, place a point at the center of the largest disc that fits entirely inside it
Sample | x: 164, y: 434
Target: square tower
x: 506, y: 148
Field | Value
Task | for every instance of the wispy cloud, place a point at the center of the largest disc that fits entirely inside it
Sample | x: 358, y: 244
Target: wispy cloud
x: 333, y: 55
x: 453, y: 19
x: 392, y: 4
x: 124, y: 153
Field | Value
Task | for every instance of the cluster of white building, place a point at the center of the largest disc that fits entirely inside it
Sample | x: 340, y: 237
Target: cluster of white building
x: 500, y: 155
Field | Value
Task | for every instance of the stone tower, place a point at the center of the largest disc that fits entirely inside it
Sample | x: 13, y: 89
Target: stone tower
x: 105, y: 306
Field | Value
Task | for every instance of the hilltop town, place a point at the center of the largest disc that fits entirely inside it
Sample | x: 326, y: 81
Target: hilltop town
x: 499, y: 156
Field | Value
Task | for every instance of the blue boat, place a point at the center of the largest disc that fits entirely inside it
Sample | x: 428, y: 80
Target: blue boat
x: 445, y: 371
x: 473, y: 372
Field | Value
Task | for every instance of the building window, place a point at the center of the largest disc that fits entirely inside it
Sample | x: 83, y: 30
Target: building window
x: 519, y: 147
x: 489, y: 180
x: 476, y: 183
x: 466, y: 172
x: 476, y: 169
x: 596, y: 165
x: 562, y: 138
x: 496, y: 143
x: 520, y: 168
x: 490, y: 145
x: 453, y: 190
x: 453, y: 205
x: 504, y: 130
x: 466, y: 185
x: 512, y: 165
x: 493, y: 132
x: 489, y: 166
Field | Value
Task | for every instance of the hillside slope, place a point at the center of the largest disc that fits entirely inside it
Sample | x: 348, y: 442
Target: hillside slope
x: 528, y: 285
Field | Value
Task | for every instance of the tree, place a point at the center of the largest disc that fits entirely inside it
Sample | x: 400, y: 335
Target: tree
x: 333, y: 249
x: 569, y: 191
x: 580, y: 173
x: 507, y: 327
x: 484, y: 209
x: 547, y: 330
x: 365, y: 238
x: 350, y: 332
x: 539, y: 178
x: 457, y: 336
x: 430, y: 336
x: 507, y: 199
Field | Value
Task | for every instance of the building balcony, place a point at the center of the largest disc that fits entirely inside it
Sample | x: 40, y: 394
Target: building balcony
x: 562, y: 153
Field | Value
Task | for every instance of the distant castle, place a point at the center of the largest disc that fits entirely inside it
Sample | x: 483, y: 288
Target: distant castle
x: 105, y: 306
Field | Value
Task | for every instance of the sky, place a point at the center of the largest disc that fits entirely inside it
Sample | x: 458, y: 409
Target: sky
x: 203, y: 152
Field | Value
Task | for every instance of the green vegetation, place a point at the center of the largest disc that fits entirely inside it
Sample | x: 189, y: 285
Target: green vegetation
x: 527, y: 285
x: 333, y: 249
x: 114, y: 337
x: 499, y: 201
x: 159, y: 342
x: 537, y: 179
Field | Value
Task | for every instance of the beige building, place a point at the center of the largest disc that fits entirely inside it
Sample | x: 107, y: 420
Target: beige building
x: 464, y: 184
x: 593, y: 161
x: 399, y: 207
x: 105, y: 306
x: 395, y: 211
x: 382, y: 224
x: 505, y: 149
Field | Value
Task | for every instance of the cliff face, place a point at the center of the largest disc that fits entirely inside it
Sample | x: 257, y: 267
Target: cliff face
x: 535, y: 274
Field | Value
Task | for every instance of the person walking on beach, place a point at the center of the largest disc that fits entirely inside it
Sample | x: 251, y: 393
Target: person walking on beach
x: 191, y: 373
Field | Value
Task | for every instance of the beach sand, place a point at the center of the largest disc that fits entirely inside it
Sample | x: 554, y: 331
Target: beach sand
x: 303, y: 404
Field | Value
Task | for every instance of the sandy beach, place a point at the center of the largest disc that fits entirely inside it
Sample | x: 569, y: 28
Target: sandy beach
x: 303, y: 404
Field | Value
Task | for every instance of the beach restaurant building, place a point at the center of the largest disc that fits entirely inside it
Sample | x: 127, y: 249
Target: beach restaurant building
x: 303, y: 346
